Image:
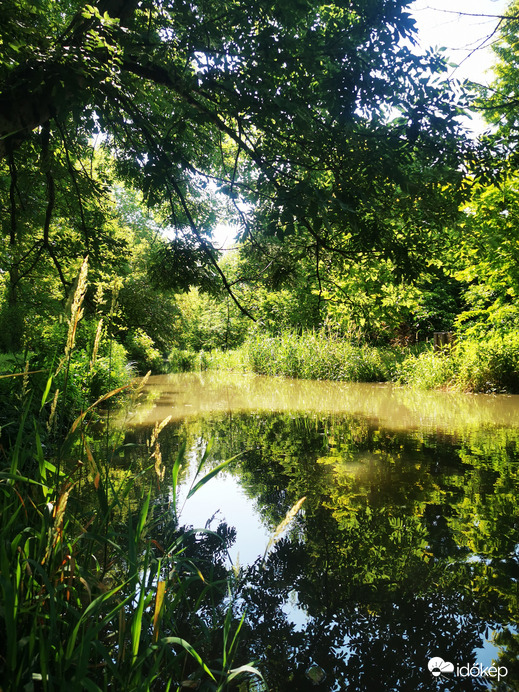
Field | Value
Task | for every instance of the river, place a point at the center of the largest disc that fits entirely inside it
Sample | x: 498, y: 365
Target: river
x: 400, y: 570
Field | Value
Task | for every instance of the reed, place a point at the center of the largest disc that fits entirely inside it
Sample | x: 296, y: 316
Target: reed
x: 488, y: 364
x: 312, y: 355
x: 100, y: 587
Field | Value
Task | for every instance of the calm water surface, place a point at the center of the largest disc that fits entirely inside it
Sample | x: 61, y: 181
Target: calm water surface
x: 406, y: 547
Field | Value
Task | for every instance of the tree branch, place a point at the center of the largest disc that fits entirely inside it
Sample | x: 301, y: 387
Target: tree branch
x: 45, y: 164
x: 207, y: 248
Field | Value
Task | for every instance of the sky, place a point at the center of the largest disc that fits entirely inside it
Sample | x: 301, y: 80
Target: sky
x: 468, y: 39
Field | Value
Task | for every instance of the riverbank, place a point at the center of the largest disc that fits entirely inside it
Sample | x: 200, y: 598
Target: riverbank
x: 489, y: 365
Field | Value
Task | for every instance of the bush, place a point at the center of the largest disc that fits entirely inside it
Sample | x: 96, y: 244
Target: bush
x: 142, y: 352
x: 109, y: 371
x: 185, y: 360
x: 426, y: 370
x: 488, y: 365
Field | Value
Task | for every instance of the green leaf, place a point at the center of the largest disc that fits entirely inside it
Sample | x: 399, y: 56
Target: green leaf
x: 210, y: 475
x: 187, y: 646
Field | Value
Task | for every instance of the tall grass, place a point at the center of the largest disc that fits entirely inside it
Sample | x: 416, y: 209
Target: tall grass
x: 100, y: 588
x: 312, y: 355
x: 489, y: 364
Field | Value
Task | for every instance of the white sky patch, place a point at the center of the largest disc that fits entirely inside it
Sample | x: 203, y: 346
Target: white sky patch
x: 465, y: 28
x: 224, y: 235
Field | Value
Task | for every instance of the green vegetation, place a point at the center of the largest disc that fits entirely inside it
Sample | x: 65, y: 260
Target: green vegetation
x: 311, y: 356
x: 101, y: 587
x: 366, y: 218
x: 359, y: 203
x: 490, y: 365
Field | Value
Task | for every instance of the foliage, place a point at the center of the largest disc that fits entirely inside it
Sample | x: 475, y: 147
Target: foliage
x: 84, y: 588
x: 427, y: 370
x: 499, y: 101
x: 141, y: 350
x: 486, y: 260
x: 206, y: 322
x: 185, y: 360
x: 315, y: 355
x: 489, y: 364
x: 100, y: 587
x: 285, y: 118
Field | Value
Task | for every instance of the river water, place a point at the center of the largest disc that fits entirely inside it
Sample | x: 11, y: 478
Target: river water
x: 405, y: 548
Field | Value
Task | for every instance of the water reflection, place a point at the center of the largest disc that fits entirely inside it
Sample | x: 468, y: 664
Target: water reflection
x: 407, y: 547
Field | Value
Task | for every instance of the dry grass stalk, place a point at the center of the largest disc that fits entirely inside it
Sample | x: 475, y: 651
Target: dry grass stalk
x: 25, y: 386
x: 154, y: 445
x: 139, y: 388
x: 159, y: 427
x: 52, y: 415
x: 56, y: 531
x: 160, y: 469
x: 76, y: 312
x: 280, y: 529
x: 96, y: 343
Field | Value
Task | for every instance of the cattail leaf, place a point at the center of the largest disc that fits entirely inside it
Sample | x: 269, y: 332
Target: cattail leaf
x: 187, y: 646
x: 205, y: 455
x: 208, y: 477
x: 46, y: 392
x: 174, y: 474
x: 244, y: 669
x: 143, y: 514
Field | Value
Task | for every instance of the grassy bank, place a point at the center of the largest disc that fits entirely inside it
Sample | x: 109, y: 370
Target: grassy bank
x: 101, y: 588
x: 486, y: 365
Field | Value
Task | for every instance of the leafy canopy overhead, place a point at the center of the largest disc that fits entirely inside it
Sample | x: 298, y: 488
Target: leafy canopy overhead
x: 316, y: 121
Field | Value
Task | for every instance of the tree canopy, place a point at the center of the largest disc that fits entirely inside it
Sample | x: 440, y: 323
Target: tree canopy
x: 316, y: 124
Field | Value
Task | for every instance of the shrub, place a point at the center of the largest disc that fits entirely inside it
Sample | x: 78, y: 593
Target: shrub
x: 488, y: 365
x: 109, y: 371
x: 142, y: 352
x: 426, y: 370
x: 183, y: 360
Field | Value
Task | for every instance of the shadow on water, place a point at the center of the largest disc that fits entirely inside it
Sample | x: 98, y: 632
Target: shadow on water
x: 406, y: 548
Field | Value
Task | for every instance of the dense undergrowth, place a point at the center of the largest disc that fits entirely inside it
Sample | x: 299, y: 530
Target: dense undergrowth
x: 489, y: 364
x: 101, y: 588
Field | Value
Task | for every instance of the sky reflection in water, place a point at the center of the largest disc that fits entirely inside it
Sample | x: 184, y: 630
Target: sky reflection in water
x: 407, y: 544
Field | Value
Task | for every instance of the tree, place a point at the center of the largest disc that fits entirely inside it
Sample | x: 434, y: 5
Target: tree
x: 289, y: 111
x: 486, y: 258
x: 499, y: 102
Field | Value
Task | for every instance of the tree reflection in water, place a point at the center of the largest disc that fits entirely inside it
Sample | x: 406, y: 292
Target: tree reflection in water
x: 406, y: 549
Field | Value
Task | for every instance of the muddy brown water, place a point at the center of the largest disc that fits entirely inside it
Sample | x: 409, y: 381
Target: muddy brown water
x: 406, y: 548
